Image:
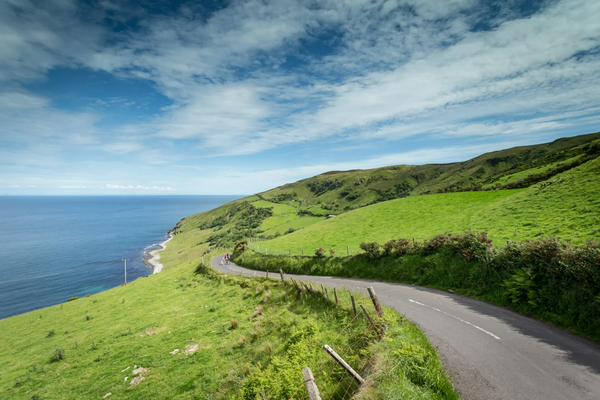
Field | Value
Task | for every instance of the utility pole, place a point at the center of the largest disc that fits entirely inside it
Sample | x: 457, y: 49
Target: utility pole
x: 125, y: 260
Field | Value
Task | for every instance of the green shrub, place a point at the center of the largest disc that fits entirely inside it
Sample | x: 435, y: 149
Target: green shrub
x: 371, y: 249
x: 59, y: 354
x: 320, y: 252
x: 73, y: 298
x: 521, y: 288
x: 50, y: 333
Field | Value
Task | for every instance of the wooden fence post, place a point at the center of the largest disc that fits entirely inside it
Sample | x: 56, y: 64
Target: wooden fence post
x: 327, y: 293
x: 371, y: 321
x: 344, y: 364
x: 347, y: 250
x: 281, y: 273
x: 267, y: 274
x: 290, y: 252
x: 353, y: 304
x: 335, y: 293
x: 311, y: 386
x: 375, y: 301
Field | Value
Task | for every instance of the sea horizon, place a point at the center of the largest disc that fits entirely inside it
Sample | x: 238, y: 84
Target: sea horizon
x: 54, y: 247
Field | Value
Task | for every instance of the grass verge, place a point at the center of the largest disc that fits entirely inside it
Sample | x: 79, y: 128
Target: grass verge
x: 182, y: 335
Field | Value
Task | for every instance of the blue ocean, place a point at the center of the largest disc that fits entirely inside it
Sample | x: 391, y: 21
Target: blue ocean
x: 56, y: 247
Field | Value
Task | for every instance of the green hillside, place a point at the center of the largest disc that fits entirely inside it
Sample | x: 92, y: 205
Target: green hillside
x: 568, y: 208
x: 459, y: 196
x: 183, y: 335
x: 336, y: 192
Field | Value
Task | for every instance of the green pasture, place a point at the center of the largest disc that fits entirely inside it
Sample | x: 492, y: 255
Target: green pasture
x: 531, y: 171
x: 295, y: 224
x: 203, y: 336
x: 568, y: 208
x: 277, y: 208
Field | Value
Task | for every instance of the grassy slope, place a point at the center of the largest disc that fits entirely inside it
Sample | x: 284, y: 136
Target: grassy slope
x: 569, y: 208
x: 142, y: 323
x: 339, y: 191
x: 496, y: 167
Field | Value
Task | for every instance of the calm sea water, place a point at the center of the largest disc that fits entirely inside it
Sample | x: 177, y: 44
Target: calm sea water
x: 56, y: 247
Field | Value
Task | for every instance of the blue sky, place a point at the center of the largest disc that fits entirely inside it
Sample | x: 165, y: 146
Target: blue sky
x: 236, y: 97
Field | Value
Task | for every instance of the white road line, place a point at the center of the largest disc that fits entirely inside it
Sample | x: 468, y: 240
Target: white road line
x: 455, y: 317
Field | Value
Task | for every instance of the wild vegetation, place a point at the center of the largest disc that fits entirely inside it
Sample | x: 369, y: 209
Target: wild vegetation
x: 330, y: 210
x: 194, y: 333
x: 547, y: 278
x: 568, y: 207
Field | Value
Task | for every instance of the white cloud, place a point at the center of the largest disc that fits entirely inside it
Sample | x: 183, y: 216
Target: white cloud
x: 394, y: 69
x: 138, y: 187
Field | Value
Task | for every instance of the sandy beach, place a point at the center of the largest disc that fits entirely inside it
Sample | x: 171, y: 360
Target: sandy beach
x: 152, y: 257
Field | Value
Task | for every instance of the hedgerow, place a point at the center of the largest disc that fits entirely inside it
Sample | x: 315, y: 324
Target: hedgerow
x: 548, y: 278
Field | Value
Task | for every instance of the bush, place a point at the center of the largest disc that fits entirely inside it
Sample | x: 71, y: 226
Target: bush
x: 320, y: 252
x: 73, y: 298
x: 371, y: 249
x: 50, y: 333
x: 331, y: 252
x: 59, y: 354
x: 240, y: 248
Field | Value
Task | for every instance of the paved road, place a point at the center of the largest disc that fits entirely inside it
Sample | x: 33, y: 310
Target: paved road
x: 490, y: 352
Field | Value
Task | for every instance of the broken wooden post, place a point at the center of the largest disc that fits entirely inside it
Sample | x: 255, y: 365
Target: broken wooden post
x: 344, y: 364
x: 326, y: 293
x: 375, y: 301
x: 311, y: 385
x: 353, y: 304
x: 371, y: 321
x: 281, y: 273
x: 322, y: 288
x: 335, y: 293
x: 295, y: 284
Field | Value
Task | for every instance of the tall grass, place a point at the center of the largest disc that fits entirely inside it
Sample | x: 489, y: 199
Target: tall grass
x: 549, y: 279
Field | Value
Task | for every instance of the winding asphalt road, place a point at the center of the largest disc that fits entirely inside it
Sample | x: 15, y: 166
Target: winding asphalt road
x: 490, y: 352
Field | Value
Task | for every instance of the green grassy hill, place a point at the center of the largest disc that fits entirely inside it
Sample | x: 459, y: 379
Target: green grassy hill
x: 336, y: 192
x: 568, y: 208
x: 181, y: 335
x: 459, y: 196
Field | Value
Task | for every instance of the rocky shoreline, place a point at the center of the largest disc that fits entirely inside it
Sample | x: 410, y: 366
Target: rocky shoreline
x: 152, y: 257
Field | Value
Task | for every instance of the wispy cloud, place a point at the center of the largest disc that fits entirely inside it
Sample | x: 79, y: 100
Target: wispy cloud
x: 137, y: 187
x: 251, y: 78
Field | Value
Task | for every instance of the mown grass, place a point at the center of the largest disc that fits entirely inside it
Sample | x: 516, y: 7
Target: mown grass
x: 251, y: 337
x: 568, y: 208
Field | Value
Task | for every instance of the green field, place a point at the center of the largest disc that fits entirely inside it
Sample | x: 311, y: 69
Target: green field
x: 531, y: 171
x: 568, y: 208
x: 295, y: 224
x: 203, y: 336
x: 277, y: 208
